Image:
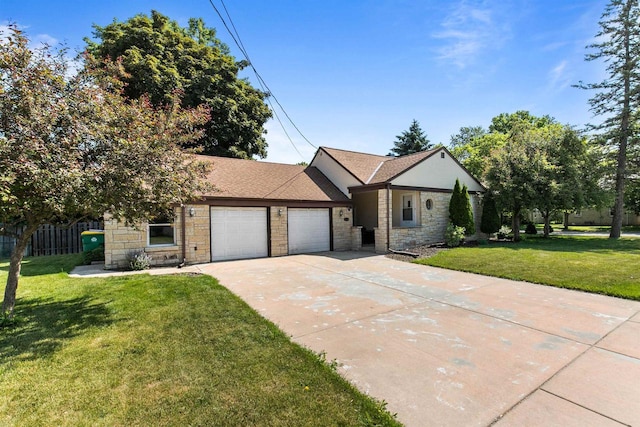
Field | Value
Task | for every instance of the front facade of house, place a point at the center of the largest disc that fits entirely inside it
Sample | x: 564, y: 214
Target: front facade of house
x: 399, y: 202
x: 340, y: 201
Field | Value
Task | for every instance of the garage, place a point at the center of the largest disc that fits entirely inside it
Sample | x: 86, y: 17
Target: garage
x: 309, y: 230
x: 238, y: 233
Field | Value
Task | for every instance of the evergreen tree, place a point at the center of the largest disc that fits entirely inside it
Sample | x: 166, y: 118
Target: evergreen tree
x: 490, y: 222
x: 466, y: 211
x: 411, y: 141
x: 618, y: 97
x: 454, y: 206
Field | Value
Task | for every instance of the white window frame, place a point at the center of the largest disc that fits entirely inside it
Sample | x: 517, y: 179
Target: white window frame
x: 151, y: 224
x: 412, y: 203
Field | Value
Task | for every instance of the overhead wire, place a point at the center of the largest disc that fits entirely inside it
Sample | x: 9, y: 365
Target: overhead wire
x: 235, y: 36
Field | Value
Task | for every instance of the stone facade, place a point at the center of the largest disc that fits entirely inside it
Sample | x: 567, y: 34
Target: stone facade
x: 121, y: 240
x: 432, y: 222
x: 342, y: 228
x: 384, y: 215
x: 279, y: 231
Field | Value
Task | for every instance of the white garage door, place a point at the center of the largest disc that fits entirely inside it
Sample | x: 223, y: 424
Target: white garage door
x: 308, y: 230
x: 238, y: 233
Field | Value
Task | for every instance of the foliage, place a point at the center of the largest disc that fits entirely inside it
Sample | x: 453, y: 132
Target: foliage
x: 460, y: 210
x: 569, y: 178
x: 504, y: 232
x: 530, y: 228
x: 411, y: 141
x: 514, y: 173
x: 472, y: 146
x: 490, y: 221
x: 617, y: 97
x: 73, y: 147
x: 583, y: 263
x: 161, y: 57
x: 505, y: 123
x: 95, y: 254
x: 159, y: 350
x: 454, y: 235
x: 139, y: 260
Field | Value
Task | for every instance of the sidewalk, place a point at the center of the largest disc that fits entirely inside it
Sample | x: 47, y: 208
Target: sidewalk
x: 97, y: 270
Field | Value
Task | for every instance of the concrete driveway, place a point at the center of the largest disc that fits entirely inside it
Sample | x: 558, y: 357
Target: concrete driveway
x: 451, y: 348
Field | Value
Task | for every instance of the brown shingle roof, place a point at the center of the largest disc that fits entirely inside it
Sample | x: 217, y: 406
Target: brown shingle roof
x: 250, y: 179
x: 361, y: 165
x: 376, y: 169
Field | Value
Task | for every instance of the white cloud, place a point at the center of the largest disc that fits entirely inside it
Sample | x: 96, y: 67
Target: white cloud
x: 470, y: 29
x: 560, y: 77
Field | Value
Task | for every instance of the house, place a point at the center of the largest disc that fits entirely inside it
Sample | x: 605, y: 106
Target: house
x: 601, y: 217
x: 260, y: 209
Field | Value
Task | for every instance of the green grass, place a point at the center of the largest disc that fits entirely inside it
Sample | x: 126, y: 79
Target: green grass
x: 592, y: 264
x: 159, y: 350
x: 601, y: 228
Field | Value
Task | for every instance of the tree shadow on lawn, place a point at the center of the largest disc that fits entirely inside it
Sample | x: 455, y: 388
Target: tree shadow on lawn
x: 41, y: 265
x: 571, y: 244
x: 44, y: 325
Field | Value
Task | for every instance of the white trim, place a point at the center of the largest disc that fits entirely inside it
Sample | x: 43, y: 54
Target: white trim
x: 160, y: 224
x: 412, y: 206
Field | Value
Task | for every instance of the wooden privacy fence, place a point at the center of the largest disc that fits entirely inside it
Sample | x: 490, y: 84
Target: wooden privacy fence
x: 52, y: 239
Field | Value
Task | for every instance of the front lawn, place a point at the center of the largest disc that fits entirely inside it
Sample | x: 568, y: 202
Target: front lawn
x: 592, y: 264
x: 158, y: 350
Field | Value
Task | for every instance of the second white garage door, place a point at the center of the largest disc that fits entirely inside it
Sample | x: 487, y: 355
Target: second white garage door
x: 308, y: 230
x: 238, y: 233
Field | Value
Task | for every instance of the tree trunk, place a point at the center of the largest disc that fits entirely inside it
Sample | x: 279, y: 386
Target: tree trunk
x: 9, y: 302
x: 625, y: 117
x: 566, y: 221
x: 547, y: 223
x: 516, y: 225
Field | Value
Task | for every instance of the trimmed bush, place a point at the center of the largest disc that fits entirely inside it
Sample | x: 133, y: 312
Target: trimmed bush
x: 530, y: 229
x: 95, y: 254
x: 454, y: 235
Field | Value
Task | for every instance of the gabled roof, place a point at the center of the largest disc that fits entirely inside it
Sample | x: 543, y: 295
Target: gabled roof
x: 376, y: 169
x: 250, y: 179
x: 397, y: 165
x: 361, y: 165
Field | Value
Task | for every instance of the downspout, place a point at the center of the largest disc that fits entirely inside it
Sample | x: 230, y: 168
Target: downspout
x: 388, y: 217
x: 183, y: 215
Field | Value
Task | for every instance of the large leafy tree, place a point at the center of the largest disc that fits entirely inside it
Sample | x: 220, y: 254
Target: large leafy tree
x: 161, y: 57
x: 568, y: 180
x: 74, y: 147
x: 617, y: 97
x: 411, y: 141
x: 515, y: 171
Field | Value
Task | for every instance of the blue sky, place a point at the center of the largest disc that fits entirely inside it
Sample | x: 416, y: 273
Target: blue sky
x: 353, y: 74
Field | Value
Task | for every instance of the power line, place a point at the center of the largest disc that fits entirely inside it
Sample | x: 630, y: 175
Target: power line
x: 263, y: 84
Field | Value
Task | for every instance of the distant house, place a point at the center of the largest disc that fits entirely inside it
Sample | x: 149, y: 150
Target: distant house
x: 343, y: 200
x: 601, y: 217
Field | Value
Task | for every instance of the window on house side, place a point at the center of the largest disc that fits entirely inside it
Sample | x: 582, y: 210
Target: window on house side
x: 161, y: 232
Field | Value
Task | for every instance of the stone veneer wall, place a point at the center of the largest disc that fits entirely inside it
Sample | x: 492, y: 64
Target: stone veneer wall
x: 384, y: 214
x: 342, y: 226
x: 122, y: 240
x: 279, y: 231
x: 433, y: 223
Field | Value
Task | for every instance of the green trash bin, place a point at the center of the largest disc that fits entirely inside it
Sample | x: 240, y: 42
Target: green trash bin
x: 92, y: 239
